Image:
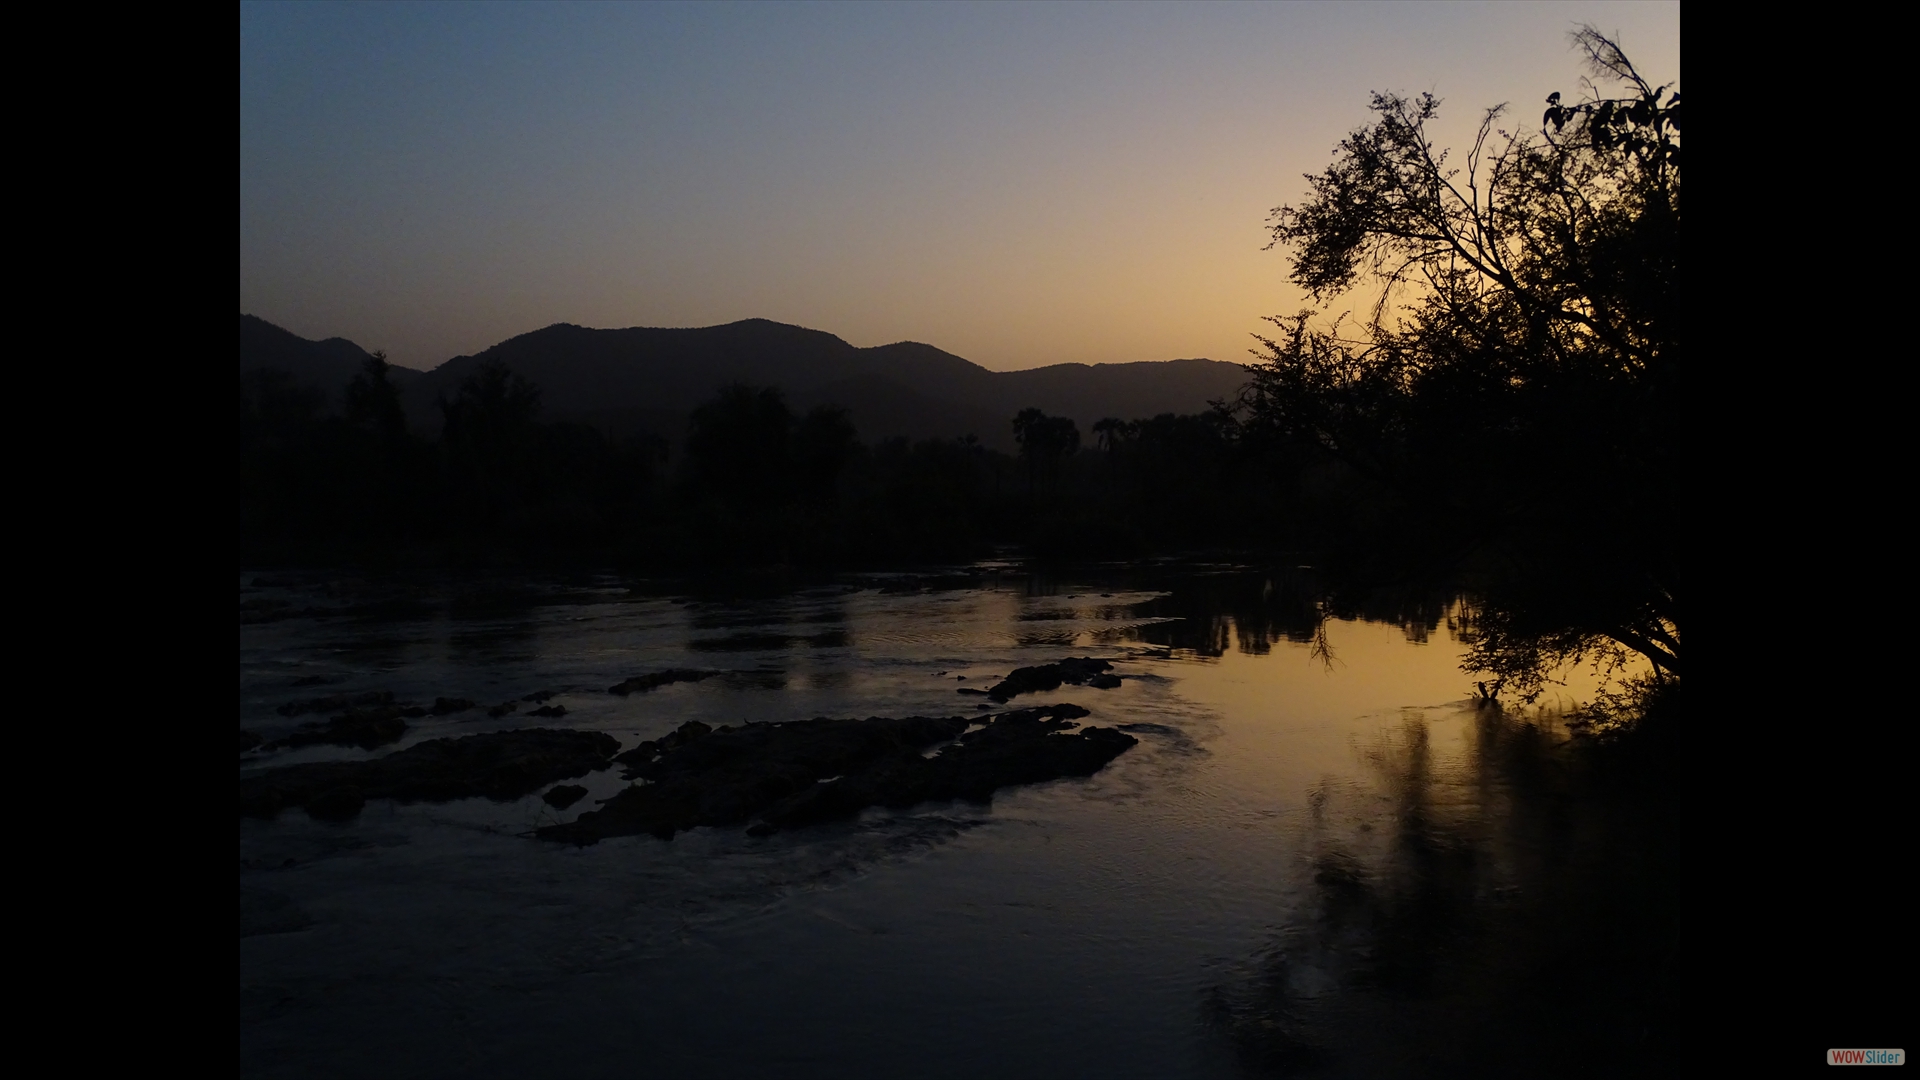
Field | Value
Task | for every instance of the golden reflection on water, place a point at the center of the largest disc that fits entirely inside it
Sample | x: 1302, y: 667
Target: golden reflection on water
x: 1319, y: 821
x: 1295, y: 717
x: 1457, y: 867
x: 1357, y: 668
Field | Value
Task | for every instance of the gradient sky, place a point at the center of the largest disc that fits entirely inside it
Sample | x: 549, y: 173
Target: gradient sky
x: 1020, y: 185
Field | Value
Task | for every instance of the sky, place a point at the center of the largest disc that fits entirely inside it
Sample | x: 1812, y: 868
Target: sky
x: 1016, y: 184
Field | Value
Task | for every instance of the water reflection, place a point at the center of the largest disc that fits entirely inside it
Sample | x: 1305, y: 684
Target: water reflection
x: 1434, y: 869
x: 1491, y: 906
x: 1043, y: 639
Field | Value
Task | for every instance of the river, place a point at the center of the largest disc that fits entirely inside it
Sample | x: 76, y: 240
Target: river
x: 1219, y: 901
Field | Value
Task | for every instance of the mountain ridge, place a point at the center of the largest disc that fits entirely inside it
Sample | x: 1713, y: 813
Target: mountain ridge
x: 646, y: 379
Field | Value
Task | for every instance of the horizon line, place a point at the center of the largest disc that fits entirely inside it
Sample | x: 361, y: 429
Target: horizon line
x: 738, y: 322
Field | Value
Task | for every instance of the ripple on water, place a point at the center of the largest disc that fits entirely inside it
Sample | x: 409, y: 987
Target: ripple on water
x: 1068, y: 927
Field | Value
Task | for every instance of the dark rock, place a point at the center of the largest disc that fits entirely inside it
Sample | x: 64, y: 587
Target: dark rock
x: 413, y: 712
x: 336, y: 702
x: 806, y: 771
x: 643, y: 683
x: 538, y: 696
x: 1103, y: 682
x: 970, y: 690
x: 700, y: 776
x: 312, y: 680
x: 447, y: 706
x: 564, y: 795
x: 248, y: 740
x: 549, y: 710
x: 503, y: 709
x: 1044, y: 677
x: 650, y: 750
x: 364, y: 728
x: 1023, y: 747
x: 501, y: 766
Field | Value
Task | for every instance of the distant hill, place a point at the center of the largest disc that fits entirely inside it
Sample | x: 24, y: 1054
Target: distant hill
x: 326, y: 365
x: 647, y: 379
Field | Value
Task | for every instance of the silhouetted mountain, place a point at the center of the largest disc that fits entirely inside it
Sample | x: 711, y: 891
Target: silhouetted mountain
x: 648, y: 379
x: 1088, y: 392
x: 325, y: 365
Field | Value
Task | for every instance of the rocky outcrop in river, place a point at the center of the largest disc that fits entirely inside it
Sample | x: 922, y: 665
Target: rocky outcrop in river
x: 772, y: 776
x: 1040, y: 678
x: 503, y: 765
x: 797, y: 773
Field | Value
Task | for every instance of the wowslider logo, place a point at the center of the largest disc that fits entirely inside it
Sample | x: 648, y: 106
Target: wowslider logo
x: 1866, y: 1057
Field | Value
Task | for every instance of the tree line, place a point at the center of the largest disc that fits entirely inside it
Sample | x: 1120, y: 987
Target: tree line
x: 753, y: 483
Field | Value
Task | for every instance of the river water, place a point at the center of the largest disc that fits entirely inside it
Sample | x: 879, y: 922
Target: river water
x: 1179, y: 914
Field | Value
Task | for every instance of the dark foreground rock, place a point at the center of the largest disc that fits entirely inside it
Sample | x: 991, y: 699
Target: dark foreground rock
x: 367, y: 729
x: 561, y: 796
x: 810, y: 771
x: 1043, y: 677
x: 642, y: 683
x: 500, y: 766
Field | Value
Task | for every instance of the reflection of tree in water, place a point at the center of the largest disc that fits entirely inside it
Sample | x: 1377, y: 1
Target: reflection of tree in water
x: 1269, y: 606
x: 1511, y: 913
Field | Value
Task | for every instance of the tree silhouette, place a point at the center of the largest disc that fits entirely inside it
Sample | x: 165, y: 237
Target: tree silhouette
x: 490, y: 441
x: 386, y: 462
x: 1045, y: 441
x: 1109, y: 431
x: 737, y: 445
x: 737, y: 476
x: 824, y: 444
x: 373, y: 402
x: 1514, y: 382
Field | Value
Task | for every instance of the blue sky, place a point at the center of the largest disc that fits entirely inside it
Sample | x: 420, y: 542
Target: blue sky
x: 1018, y: 184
